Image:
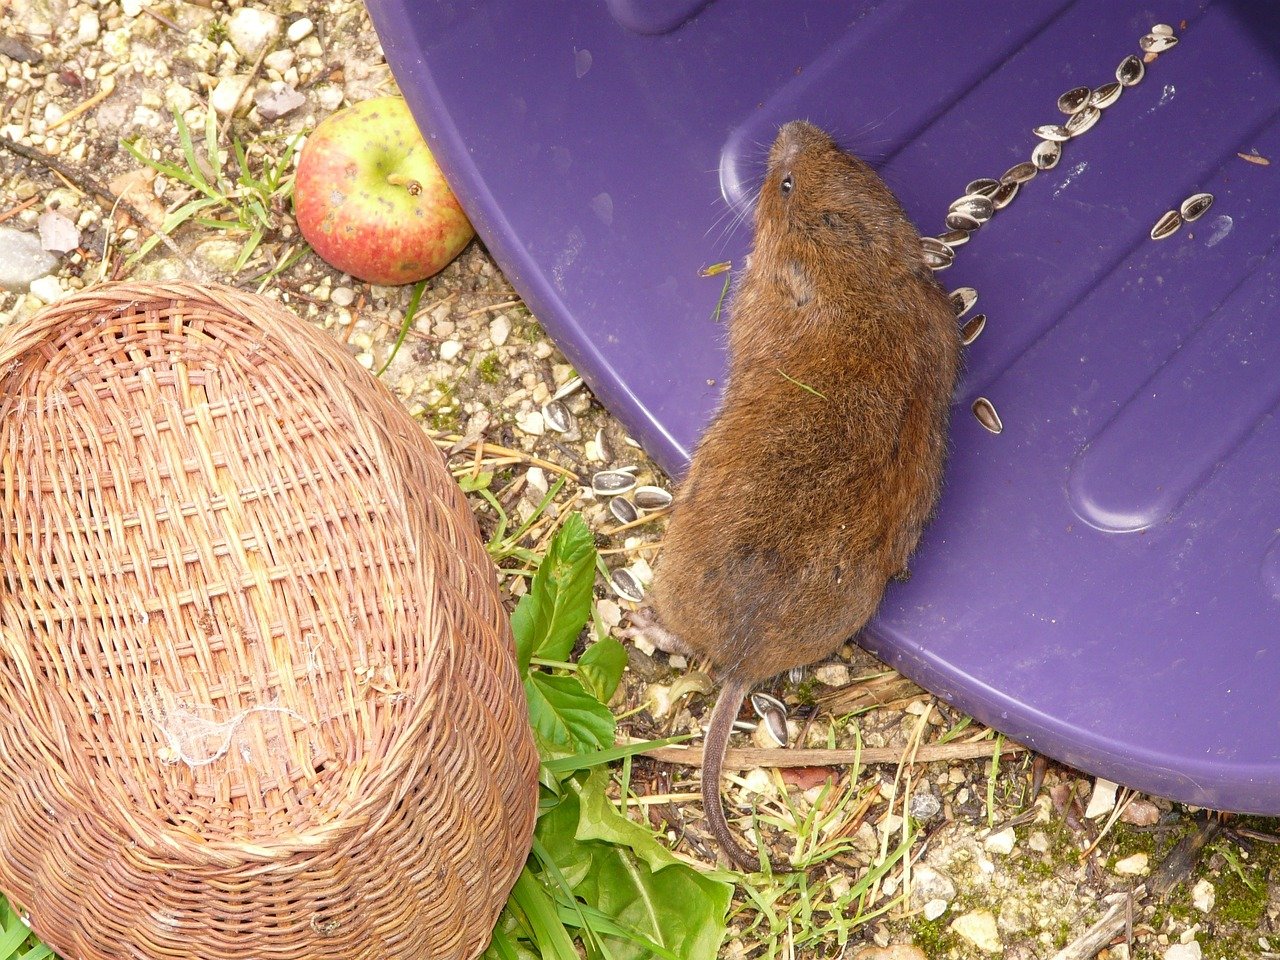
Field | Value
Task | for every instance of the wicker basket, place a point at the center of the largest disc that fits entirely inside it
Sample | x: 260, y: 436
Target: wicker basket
x: 257, y: 692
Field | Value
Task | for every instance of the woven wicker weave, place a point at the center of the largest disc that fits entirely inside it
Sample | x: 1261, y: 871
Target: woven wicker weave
x: 257, y: 692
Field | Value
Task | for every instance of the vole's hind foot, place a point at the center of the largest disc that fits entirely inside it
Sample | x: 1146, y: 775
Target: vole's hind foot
x: 643, y: 625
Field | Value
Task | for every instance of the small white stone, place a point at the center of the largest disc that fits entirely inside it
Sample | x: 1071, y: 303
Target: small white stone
x: 645, y: 646
x: 252, y: 29
x: 499, y: 330
x: 329, y: 97
x: 832, y: 674
x: 934, y: 909
x: 1203, y: 896
x: 760, y: 782
x: 226, y: 95
x: 531, y: 423
x: 300, y: 29
x: 536, y: 479
x: 342, y: 296
x: 979, y: 928
x: 930, y: 884
x: 450, y: 349
x: 1183, y: 951
x: 1002, y: 842
x: 1132, y: 866
x: 279, y: 60
x: 89, y: 28
x: 677, y: 661
x: 1102, y: 800
x: 609, y: 612
x: 131, y: 8
x: 48, y: 289
x: 1038, y: 842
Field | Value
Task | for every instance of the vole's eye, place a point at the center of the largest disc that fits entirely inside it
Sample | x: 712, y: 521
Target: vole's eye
x: 786, y: 184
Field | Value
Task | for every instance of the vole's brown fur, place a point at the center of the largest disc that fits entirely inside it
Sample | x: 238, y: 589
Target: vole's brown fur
x: 800, y: 504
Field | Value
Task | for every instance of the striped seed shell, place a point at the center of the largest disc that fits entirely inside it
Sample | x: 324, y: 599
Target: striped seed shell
x: 974, y: 205
x: 956, y: 220
x: 557, y: 416
x: 651, y: 498
x: 962, y: 300
x: 972, y: 329
x: 1052, y: 131
x: 937, y: 255
x: 569, y: 387
x: 623, y: 510
x: 987, y: 416
x: 1106, y: 95
x: 1167, y: 225
x: 1162, y: 30
x: 1083, y: 121
x: 1195, y: 207
x: 1074, y: 100
x: 610, y: 483
x: 1004, y: 196
x: 1157, y: 43
x: 983, y: 186
x: 626, y: 585
x: 1131, y: 71
x: 1021, y: 172
x: 1046, y: 154
x: 958, y: 237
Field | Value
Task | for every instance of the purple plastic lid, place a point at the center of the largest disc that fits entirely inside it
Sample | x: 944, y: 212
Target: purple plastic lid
x: 1103, y: 579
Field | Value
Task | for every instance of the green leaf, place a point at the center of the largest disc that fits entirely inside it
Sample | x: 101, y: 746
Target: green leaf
x: 600, y: 667
x: 599, y: 819
x: 564, y: 714
x: 550, y: 616
x: 473, y: 482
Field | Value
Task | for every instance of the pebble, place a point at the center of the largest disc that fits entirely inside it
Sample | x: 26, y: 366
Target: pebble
x: 226, y: 95
x: 499, y: 330
x: 58, y: 234
x: 1141, y: 813
x: 450, y: 349
x: 934, y: 909
x: 342, y: 296
x: 609, y: 612
x: 1203, y: 896
x: 979, y: 928
x: 131, y: 8
x: 531, y: 423
x: 48, y: 289
x: 929, y: 884
x: 924, y: 806
x: 1132, y: 866
x: 1183, y: 951
x: 1038, y: 841
x: 1102, y: 800
x: 252, y: 29
x: 300, y: 29
x: 277, y: 100
x: 279, y: 60
x: 897, y: 951
x: 89, y: 28
x: 1002, y: 842
x: 22, y: 259
x: 832, y: 674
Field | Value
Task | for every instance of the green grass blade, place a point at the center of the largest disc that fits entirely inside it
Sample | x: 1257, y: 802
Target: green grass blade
x: 549, y: 934
x: 409, y: 313
x: 594, y: 758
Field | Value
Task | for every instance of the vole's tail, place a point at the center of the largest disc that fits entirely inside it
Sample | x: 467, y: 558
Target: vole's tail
x: 732, y: 693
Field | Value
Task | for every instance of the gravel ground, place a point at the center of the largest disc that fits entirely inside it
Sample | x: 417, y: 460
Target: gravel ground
x: 1001, y: 873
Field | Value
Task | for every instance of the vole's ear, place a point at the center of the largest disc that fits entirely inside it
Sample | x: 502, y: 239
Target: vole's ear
x: 798, y: 283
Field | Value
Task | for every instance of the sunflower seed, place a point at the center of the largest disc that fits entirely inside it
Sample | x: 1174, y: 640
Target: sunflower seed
x: 1167, y: 225
x: 557, y: 416
x: 962, y: 300
x: 1083, y: 121
x: 1130, y: 72
x: 1020, y: 172
x: 1155, y: 43
x: 795, y: 674
x: 1074, y: 100
x: 986, y: 414
x: 623, y: 510
x: 1195, y: 207
x: 983, y: 186
x: 937, y: 255
x: 1046, y: 154
x: 972, y: 329
x: 651, y: 498
x: 1052, y: 131
x: 1162, y: 30
x: 567, y: 388
x: 1004, y: 196
x: 958, y: 237
x: 610, y: 483
x: 774, y: 714
x: 1106, y: 95
x: 974, y: 205
x: 626, y: 585
x: 961, y: 221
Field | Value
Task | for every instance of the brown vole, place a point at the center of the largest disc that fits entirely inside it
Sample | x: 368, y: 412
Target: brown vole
x: 810, y: 488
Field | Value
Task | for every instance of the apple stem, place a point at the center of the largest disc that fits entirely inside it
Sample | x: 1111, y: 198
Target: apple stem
x: 400, y: 180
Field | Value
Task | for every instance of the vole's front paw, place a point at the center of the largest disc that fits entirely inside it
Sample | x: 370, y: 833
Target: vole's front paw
x: 643, y: 626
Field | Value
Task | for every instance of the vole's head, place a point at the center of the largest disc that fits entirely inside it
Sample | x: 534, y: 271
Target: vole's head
x: 823, y: 210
